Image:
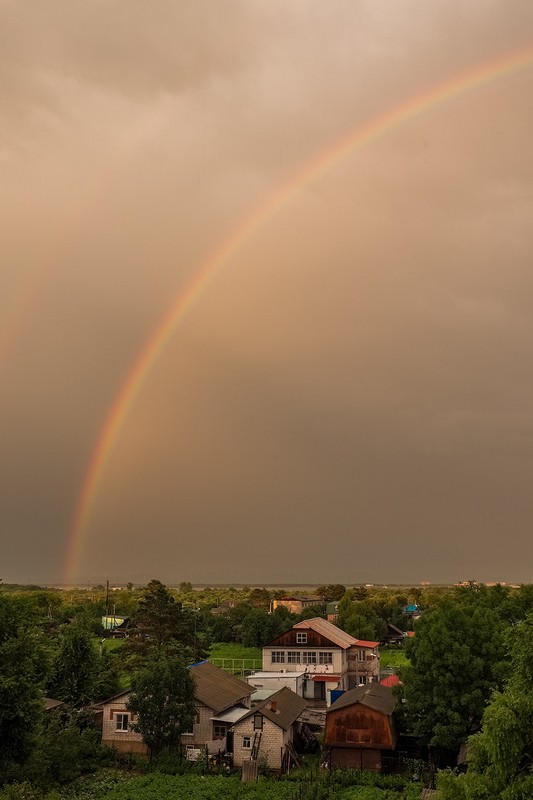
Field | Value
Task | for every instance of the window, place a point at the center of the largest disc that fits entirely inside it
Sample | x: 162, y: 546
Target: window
x: 360, y: 655
x: 293, y: 657
x: 219, y: 731
x: 258, y: 722
x: 246, y: 742
x: 325, y: 658
x: 309, y: 657
x: 278, y: 657
x: 122, y: 722
x: 301, y: 638
x: 361, y: 680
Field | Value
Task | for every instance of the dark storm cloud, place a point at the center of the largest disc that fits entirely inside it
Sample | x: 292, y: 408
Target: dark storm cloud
x: 349, y: 398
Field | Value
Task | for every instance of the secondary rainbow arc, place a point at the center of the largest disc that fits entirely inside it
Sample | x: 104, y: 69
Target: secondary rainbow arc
x: 161, y: 335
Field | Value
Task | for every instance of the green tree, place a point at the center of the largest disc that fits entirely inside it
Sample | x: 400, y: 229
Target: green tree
x: 331, y: 591
x: 162, y: 625
x: 75, y: 668
x: 457, y: 659
x: 162, y: 697
x: 23, y: 662
x: 501, y: 756
x: 67, y: 747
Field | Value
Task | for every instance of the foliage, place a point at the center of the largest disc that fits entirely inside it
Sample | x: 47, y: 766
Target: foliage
x: 66, y: 749
x: 456, y: 662
x: 163, y: 699
x: 162, y: 625
x: 75, y: 666
x: 190, y: 787
x: 94, y: 787
x: 23, y: 659
x: 501, y: 756
x: 333, y: 591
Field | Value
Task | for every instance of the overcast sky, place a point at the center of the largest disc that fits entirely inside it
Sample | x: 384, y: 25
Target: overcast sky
x: 350, y: 399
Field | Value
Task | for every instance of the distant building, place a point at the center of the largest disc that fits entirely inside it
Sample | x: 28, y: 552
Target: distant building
x: 296, y: 603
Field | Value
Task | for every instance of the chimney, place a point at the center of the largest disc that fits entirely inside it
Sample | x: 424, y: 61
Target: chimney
x: 274, y: 706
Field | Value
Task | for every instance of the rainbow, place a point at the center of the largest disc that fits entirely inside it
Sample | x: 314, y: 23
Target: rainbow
x: 206, y: 271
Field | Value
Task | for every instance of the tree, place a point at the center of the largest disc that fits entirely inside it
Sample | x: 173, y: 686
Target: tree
x: 162, y: 625
x: 456, y: 662
x: 23, y: 660
x: 162, y: 697
x: 333, y: 591
x: 75, y: 667
x: 501, y: 756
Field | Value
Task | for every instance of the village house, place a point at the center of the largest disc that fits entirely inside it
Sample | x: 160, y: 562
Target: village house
x: 268, y: 731
x: 330, y: 658
x: 219, y: 700
x: 296, y: 603
x: 360, y: 728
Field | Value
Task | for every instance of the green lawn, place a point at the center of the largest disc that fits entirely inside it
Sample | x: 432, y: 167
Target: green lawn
x: 235, y: 658
x: 393, y: 659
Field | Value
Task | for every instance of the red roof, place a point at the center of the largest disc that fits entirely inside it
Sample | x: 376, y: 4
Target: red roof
x: 363, y: 643
x: 391, y: 680
x: 409, y: 633
x: 326, y: 677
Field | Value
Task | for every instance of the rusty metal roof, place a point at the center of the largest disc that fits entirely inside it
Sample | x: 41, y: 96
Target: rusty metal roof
x: 373, y: 695
x: 287, y: 704
x: 328, y: 630
x: 333, y: 633
x: 218, y: 689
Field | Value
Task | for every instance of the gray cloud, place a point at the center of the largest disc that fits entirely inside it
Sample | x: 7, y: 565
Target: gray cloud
x: 349, y: 398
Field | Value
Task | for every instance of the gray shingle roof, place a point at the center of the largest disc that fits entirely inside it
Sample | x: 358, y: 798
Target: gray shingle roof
x: 328, y: 630
x: 373, y: 695
x: 216, y: 688
x: 288, y: 707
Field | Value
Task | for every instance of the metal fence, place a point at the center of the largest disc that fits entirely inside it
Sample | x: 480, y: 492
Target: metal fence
x: 237, y: 666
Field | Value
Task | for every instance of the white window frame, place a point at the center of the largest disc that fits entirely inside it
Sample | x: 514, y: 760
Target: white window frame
x: 278, y: 657
x: 301, y: 638
x: 121, y: 716
x: 325, y: 658
x: 246, y: 742
x: 293, y: 657
x: 309, y: 657
x: 360, y: 655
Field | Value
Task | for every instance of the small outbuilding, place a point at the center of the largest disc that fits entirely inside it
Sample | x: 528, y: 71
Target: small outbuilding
x: 360, y: 727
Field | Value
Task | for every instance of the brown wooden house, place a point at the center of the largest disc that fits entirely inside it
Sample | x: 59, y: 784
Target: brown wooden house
x: 360, y: 726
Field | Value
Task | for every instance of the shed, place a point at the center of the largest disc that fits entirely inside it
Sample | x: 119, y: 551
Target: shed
x: 359, y: 726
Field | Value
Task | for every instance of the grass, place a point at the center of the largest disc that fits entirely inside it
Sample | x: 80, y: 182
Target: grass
x: 112, y: 644
x: 236, y: 659
x: 393, y: 659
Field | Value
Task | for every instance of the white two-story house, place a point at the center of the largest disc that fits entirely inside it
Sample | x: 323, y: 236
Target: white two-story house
x: 329, y: 657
